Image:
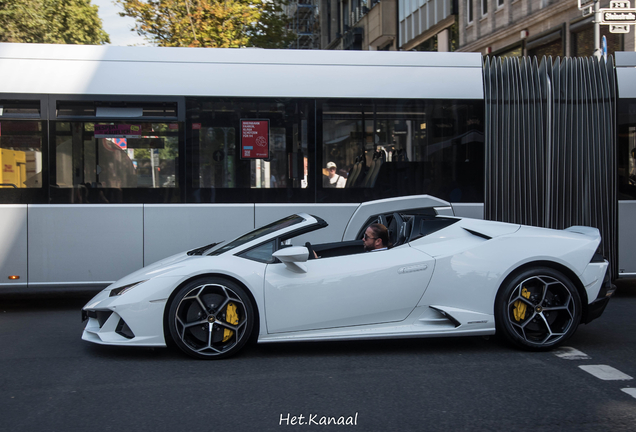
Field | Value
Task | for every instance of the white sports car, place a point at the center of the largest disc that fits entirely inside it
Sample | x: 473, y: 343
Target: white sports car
x: 443, y: 276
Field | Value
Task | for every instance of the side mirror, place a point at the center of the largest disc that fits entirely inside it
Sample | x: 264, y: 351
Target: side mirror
x: 293, y: 257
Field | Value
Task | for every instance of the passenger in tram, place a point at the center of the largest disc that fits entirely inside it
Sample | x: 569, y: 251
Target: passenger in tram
x: 376, y: 238
x: 333, y: 180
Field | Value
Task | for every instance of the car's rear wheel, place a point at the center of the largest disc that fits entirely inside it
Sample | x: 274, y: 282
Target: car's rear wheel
x: 211, y: 318
x: 538, y: 309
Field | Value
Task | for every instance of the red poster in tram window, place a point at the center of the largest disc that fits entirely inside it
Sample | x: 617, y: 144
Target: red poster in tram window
x: 254, y: 139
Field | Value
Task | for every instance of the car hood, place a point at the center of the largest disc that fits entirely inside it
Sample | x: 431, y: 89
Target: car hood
x: 156, y: 269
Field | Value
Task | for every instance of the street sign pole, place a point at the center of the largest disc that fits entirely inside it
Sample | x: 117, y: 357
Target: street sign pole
x: 597, y: 29
x: 593, y: 7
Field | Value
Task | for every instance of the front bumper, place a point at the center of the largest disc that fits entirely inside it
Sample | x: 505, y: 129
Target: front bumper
x: 114, y: 321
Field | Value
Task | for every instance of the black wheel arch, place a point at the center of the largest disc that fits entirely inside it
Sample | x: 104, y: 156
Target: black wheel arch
x: 166, y: 330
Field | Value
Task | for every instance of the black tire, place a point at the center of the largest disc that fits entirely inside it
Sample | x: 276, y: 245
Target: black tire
x: 211, y: 318
x: 538, y: 309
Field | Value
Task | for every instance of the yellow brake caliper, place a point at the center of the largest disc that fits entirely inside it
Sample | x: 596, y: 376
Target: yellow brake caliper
x: 520, y: 307
x: 231, y: 317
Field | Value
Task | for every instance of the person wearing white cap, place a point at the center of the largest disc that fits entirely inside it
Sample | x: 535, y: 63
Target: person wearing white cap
x: 333, y: 180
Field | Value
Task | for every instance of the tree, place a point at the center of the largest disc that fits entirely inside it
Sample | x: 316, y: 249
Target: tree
x: 51, y: 21
x: 268, y: 30
x: 210, y: 23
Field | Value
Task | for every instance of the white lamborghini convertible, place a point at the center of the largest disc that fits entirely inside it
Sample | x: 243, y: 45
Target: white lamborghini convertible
x: 443, y: 276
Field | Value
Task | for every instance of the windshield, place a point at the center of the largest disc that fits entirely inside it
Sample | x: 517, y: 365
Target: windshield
x: 260, y: 232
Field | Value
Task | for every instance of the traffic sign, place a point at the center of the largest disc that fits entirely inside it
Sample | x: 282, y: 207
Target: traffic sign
x: 218, y: 156
x: 619, y: 28
x: 604, y: 47
x: 619, y: 4
x: 618, y: 16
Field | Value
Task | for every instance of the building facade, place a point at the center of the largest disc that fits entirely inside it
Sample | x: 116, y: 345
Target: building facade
x: 491, y: 27
x: 358, y: 25
x: 532, y: 28
x: 428, y: 25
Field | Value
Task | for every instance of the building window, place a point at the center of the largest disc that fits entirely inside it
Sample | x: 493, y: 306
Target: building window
x: 582, y: 39
x: 484, y: 7
x: 548, y: 44
x: 356, y: 10
x: 328, y: 21
x: 429, y: 44
x: 338, y: 21
x: 469, y: 11
x: 345, y: 15
x: 500, y: 3
x: 510, y: 51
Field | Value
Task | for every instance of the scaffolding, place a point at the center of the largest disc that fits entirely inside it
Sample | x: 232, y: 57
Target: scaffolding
x: 304, y: 23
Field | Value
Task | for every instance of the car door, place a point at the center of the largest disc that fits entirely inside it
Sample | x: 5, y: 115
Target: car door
x: 366, y: 288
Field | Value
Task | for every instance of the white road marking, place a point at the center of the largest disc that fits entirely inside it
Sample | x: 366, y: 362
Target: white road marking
x: 606, y: 373
x: 569, y: 353
x: 630, y: 391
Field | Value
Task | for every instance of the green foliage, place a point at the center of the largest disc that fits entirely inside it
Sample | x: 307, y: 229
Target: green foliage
x: 51, y: 21
x: 170, y: 150
x: 271, y: 31
x: 210, y: 23
x: 141, y: 154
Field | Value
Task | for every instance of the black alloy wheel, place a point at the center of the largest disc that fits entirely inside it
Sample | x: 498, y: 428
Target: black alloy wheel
x: 538, y: 309
x: 211, y: 318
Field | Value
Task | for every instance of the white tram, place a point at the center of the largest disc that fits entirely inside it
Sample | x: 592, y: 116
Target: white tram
x: 115, y: 157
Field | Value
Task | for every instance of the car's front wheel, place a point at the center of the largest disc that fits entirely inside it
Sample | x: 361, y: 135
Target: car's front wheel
x: 538, y: 309
x: 211, y: 318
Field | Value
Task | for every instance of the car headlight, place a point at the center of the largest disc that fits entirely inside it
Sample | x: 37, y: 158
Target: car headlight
x: 124, y: 289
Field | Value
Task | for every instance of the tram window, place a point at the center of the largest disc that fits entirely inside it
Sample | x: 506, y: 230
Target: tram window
x: 21, y: 154
x: 118, y: 155
x: 219, y: 161
x: 402, y: 147
x: 626, y: 149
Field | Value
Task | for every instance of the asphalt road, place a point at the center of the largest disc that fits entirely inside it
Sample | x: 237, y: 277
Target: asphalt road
x: 51, y: 380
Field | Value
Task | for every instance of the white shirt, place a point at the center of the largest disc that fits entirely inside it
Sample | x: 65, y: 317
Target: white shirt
x: 339, y: 180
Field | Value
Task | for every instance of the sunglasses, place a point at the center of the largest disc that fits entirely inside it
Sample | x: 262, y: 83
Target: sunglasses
x: 366, y: 237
